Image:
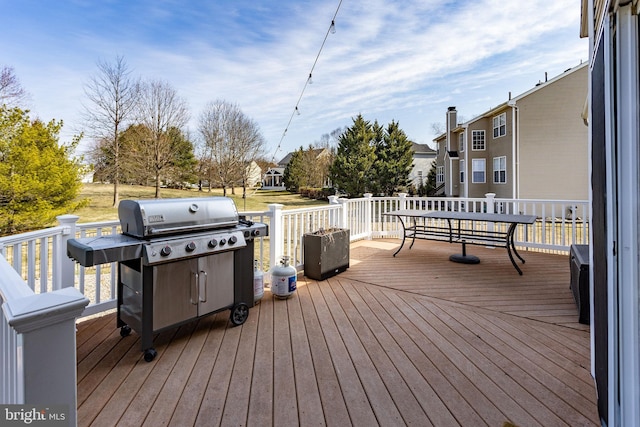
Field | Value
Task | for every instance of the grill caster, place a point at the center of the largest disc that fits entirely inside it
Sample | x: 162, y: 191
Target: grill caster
x: 125, y: 331
x: 239, y: 313
x: 150, y: 354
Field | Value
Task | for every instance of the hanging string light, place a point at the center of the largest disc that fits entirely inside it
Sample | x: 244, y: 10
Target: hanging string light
x: 296, y: 110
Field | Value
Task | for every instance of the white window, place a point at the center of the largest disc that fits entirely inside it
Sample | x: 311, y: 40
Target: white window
x: 461, y: 142
x: 478, y: 171
x: 461, y: 171
x: 440, y: 174
x: 500, y: 170
x: 477, y: 140
x: 500, y: 125
x: 420, y: 181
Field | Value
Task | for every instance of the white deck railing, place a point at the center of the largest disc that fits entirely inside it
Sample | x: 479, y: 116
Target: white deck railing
x: 35, y: 264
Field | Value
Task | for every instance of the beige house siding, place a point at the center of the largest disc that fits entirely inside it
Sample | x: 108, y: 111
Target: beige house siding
x: 500, y: 147
x: 550, y: 142
x: 451, y: 176
x: 440, y: 155
x: 462, y: 153
x: 494, y: 147
x: 472, y: 190
x: 420, y: 170
x: 254, y: 174
x: 554, y: 140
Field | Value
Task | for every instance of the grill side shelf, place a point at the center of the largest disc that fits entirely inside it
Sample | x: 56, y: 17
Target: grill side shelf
x: 90, y: 251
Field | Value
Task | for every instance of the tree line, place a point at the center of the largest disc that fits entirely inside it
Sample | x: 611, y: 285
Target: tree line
x: 370, y: 158
x: 137, y: 129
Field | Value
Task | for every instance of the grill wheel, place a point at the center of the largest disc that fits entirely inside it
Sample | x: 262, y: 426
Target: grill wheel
x: 239, y: 314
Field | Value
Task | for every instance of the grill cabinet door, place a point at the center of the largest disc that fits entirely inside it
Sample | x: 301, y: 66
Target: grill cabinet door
x: 175, y: 293
x: 215, y: 277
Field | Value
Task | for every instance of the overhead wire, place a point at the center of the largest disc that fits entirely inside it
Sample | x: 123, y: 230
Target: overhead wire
x: 308, y: 81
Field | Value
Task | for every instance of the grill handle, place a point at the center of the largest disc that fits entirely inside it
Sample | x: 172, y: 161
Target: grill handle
x: 193, y: 288
x: 203, y: 289
x: 155, y: 231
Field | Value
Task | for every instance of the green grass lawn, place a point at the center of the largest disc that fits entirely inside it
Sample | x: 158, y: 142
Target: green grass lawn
x: 101, y: 199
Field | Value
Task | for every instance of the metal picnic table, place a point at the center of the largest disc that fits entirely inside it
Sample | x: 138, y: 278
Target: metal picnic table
x: 457, y: 233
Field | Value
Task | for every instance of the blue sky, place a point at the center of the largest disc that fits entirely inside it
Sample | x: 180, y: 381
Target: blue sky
x: 405, y: 60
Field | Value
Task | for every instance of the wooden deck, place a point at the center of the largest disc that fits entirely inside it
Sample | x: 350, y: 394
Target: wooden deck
x: 411, y: 340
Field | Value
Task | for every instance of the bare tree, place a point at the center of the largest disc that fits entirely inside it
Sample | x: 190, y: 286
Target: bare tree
x: 11, y: 91
x: 112, y: 96
x: 249, y: 145
x: 231, y: 141
x: 437, y: 128
x: 160, y: 110
x: 330, y: 140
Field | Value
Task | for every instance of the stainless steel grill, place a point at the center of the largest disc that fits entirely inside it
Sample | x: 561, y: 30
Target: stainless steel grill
x: 178, y: 260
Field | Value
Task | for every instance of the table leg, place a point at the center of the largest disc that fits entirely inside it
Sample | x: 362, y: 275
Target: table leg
x: 404, y: 236
x: 415, y: 230
x: 511, y: 246
x: 512, y: 241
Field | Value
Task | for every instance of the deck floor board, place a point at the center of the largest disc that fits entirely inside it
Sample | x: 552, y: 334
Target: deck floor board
x: 408, y: 340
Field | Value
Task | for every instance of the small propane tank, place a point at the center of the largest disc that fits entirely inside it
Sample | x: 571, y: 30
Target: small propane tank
x: 283, y: 279
x: 258, y: 282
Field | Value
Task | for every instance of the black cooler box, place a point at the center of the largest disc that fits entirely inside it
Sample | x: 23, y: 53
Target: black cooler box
x: 579, y: 265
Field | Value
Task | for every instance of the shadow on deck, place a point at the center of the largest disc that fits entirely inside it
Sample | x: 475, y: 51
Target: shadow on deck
x: 410, y: 340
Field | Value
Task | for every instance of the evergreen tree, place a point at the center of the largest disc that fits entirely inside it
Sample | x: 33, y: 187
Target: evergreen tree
x: 378, y: 144
x: 430, y: 185
x: 394, y: 160
x: 38, y: 177
x: 351, y: 169
x: 294, y: 172
x: 183, y: 168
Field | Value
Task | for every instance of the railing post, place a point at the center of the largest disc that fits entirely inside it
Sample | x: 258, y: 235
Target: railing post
x: 334, y: 217
x: 490, y: 208
x: 276, y: 235
x: 368, y: 199
x: 344, y: 213
x: 490, y: 202
x: 402, y: 200
x: 46, y: 352
x: 67, y: 266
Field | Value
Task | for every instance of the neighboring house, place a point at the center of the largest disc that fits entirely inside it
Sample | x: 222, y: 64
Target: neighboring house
x: 613, y: 27
x: 87, y: 177
x: 254, y: 174
x: 533, y: 146
x: 272, y: 179
x: 423, y: 158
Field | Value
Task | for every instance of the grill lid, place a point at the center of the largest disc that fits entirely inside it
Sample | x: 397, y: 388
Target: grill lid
x: 151, y: 218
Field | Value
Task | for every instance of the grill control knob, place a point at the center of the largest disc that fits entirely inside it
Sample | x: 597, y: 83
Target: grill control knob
x: 255, y: 232
x: 232, y: 240
x: 166, y: 251
x: 191, y: 246
x: 222, y: 242
x: 213, y: 243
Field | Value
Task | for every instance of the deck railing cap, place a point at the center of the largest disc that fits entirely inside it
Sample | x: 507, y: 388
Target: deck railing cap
x: 39, y: 310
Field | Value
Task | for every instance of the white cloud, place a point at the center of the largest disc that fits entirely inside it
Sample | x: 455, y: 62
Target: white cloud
x: 403, y: 60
